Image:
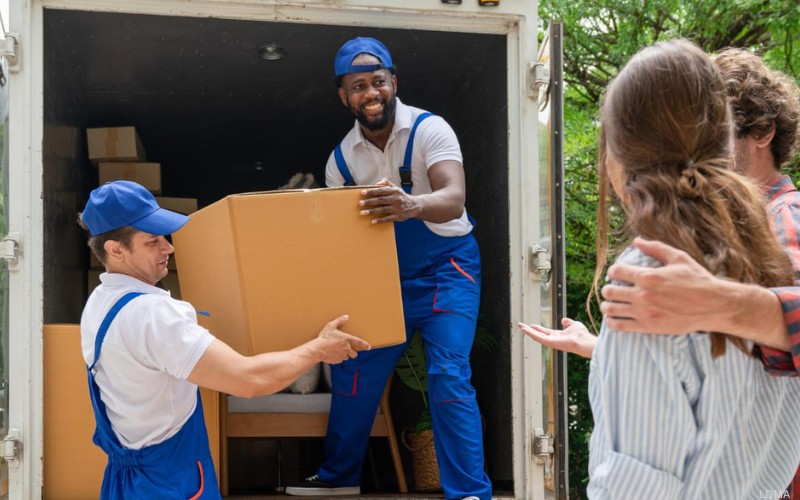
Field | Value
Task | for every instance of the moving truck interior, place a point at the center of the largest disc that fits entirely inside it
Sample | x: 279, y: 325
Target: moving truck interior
x: 221, y: 118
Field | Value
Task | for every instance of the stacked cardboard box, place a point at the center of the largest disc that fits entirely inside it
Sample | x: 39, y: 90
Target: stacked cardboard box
x: 119, y: 154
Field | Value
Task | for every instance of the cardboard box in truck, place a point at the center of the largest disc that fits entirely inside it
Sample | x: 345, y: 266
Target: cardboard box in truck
x: 146, y: 174
x: 73, y: 465
x: 270, y: 269
x: 184, y: 206
x: 115, y: 144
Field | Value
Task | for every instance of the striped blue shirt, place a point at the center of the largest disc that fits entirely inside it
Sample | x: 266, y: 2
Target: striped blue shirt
x: 671, y: 423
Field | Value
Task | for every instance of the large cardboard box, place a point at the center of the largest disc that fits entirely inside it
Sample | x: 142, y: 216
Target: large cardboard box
x: 115, y: 144
x: 73, y: 465
x: 272, y: 268
x: 146, y: 174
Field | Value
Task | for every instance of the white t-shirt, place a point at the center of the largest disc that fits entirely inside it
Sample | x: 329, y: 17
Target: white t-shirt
x: 434, y: 141
x: 149, y: 350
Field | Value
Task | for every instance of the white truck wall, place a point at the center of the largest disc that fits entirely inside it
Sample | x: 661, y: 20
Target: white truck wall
x: 76, y: 67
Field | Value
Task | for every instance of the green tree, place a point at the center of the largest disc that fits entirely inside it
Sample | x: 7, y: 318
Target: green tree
x: 599, y: 38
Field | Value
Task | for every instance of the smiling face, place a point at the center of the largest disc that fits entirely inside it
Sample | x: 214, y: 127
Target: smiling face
x: 146, y: 259
x: 370, y: 96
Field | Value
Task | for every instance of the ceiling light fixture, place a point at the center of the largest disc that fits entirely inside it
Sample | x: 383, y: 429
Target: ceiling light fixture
x: 271, y: 52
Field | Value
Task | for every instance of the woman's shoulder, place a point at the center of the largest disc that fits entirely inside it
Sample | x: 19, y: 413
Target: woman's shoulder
x: 635, y: 257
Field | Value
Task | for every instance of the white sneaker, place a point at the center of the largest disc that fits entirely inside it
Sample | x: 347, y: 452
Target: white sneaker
x: 471, y: 498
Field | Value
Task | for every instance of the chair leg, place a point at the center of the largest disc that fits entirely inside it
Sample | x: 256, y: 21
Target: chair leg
x: 393, y: 447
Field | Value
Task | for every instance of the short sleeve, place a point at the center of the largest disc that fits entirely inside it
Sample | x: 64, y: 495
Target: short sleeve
x: 778, y: 362
x: 172, y: 341
x: 438, y: 141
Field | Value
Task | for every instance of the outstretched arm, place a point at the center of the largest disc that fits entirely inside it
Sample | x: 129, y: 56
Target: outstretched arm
x: 683, y: 297
x: 574, y: 338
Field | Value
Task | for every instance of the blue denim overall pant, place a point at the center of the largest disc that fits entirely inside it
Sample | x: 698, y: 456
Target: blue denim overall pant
x: 440, y: 279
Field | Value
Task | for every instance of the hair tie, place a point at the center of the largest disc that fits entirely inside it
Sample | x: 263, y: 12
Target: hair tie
x: 689, y: 176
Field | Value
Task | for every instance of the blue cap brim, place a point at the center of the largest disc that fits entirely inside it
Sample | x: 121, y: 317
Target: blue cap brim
x: 161, y: 222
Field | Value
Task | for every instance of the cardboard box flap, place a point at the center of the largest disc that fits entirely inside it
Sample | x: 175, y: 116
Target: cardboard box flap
x: 208, y: 266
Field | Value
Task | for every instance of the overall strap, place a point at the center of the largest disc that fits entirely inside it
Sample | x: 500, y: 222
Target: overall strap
x: 339, y: 157
x: 405, y: 170
x: 112, y: 313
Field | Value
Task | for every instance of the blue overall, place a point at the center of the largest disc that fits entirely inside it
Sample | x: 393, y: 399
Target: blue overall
x: 178, y: 468
x: 440, y: 279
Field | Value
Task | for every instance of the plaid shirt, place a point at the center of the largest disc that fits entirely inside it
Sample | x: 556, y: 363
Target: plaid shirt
x: 783, y: 210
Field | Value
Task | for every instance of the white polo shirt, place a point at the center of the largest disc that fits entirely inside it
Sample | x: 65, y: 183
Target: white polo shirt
x: 434, y: 141
x: 149, y: 350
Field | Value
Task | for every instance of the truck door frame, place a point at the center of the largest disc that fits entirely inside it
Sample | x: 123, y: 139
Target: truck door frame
x: 515, y: 19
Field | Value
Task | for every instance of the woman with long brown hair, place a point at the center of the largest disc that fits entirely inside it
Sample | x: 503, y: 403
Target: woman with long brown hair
x: 695, y: 415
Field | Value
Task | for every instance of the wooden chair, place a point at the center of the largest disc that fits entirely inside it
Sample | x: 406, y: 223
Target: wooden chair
x: 294, y: 415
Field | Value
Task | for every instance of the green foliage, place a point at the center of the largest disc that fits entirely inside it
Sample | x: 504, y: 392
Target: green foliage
x: 599, y: 38
x: 601, y: 35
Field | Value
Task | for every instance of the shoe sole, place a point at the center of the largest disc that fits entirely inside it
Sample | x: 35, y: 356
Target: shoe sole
x: 319, y: 492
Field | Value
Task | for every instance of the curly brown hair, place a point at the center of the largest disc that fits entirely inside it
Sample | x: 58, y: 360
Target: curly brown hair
x: 762, y: 98
x: 665, y: 119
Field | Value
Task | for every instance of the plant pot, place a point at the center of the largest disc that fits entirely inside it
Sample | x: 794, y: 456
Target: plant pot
x: 423, y: 460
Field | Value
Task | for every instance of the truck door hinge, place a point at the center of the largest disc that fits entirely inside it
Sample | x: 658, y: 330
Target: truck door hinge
x: 10, y: 46
x: 544, y: 452
x: 540, y: 77
x: 543, y: 444
x: 12, y: 446
x: 11, y: 249
x: 540, y: 262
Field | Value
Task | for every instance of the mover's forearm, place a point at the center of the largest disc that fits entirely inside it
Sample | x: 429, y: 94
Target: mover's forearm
x: 223, y: 369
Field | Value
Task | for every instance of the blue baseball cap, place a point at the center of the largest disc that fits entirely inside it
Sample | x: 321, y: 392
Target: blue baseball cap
x: 343, y: 64
x: 124, y: 203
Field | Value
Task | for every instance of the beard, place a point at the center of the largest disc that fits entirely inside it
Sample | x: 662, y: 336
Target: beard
x: 378, y: 122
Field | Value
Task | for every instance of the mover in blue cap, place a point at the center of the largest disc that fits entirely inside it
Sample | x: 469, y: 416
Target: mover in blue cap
x: 146, y: 355
x: 416, y: 159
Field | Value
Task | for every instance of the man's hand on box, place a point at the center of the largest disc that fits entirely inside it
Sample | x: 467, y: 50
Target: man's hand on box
x: 337, y: 346
x: 388, y: 203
